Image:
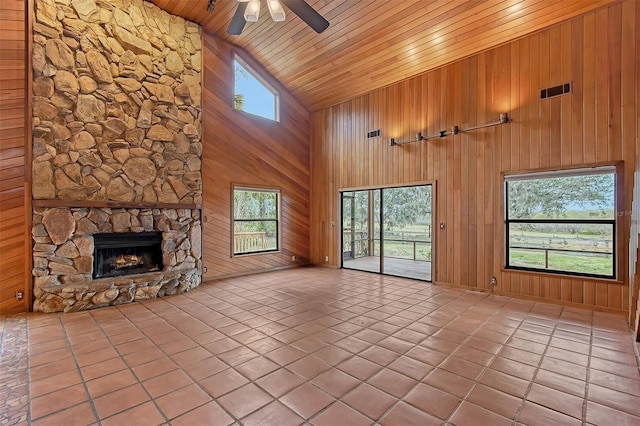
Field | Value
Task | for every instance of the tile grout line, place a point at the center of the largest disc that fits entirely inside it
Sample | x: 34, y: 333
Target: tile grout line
x: 487, y: 367
x: 304, y: 380
x: 84, y: 381
x: 419, y: 382
x: 79, y: 369
x: 215, y: 399
x: 434, y: 367
x: 475, y: 381
x: 229, y: 366
x: 535, y: 374
x: 365, y: 381
x: 585, y: 403
x: 539, y: 367
x: 168, y: 356
x: 309, y: 381
x: 130, y: 368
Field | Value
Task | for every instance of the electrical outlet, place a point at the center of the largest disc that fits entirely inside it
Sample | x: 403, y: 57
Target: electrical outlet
x: 293, y: 258
x: 19, y: 295
x: 494, y: 281
x: 326, y: 259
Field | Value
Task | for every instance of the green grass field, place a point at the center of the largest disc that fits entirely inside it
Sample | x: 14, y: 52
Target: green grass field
x: 595, y: 264
x: 404, y: 250
x: 570, y: 262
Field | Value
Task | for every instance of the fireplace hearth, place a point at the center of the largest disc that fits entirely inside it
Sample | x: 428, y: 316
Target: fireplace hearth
x: 127, y: 253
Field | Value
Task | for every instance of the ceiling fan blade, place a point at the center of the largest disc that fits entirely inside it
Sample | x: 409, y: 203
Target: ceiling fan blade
x: 237, y: 22
x: 308, y: 14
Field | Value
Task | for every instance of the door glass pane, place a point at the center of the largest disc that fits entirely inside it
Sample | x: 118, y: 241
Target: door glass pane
x: 359, y: 241
x: 407, y: 232
x: 348, y: 230
x: 375, y: 217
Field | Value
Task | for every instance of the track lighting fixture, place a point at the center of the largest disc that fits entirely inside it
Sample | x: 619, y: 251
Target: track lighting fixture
x: 503, y: 118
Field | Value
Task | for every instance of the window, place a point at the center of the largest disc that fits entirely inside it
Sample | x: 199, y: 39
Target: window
x: 562, y: 222
x: 252, y: 93
x: 255, y: 220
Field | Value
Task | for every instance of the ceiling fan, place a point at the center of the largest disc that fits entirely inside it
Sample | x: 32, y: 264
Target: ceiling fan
x: 249, y: 10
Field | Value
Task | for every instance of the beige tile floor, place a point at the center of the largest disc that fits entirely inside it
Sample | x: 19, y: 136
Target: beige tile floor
x: 323, y: 347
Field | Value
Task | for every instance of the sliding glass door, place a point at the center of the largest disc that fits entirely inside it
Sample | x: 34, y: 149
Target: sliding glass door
x: 388, y: 230
x: 361, y: 229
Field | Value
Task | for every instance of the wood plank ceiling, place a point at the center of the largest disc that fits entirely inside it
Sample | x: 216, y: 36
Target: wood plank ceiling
x: 373, y: 43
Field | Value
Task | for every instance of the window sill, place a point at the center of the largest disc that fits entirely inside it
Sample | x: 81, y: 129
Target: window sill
x: 257, y: 253
x: 562, y: 276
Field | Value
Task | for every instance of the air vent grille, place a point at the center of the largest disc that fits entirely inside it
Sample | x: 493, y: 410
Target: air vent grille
x: 551, y: 92
x: 373, y: 134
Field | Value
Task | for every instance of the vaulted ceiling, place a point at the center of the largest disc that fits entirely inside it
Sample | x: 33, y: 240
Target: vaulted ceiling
x: 373, y: 43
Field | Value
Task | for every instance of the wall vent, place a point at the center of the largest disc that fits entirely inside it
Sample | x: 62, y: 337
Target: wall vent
x: 551, y: 92
x: 373, y: 134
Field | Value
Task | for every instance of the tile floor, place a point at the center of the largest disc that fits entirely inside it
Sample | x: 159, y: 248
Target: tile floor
x: 323, y: 347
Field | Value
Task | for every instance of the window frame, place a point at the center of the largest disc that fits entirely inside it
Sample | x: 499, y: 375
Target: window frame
x: 263, y: 81
x: 601, y: 169
x: 277, y: 220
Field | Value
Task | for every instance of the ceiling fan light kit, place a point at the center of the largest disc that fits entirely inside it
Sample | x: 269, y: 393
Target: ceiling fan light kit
x: 249, y: 11
x: 276, y: 10
x: 252, y: 12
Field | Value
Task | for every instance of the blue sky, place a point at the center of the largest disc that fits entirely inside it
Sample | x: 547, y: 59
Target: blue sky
x: 258, y: 99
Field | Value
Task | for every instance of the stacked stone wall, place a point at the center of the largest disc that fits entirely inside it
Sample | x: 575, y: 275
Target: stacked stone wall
x: 116, y: 103
x: 116, y: 121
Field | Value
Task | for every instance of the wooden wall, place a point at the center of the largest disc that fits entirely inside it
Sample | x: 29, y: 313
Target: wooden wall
x: 597, y: 123
x: 15, y: 240
x: 248, y: 150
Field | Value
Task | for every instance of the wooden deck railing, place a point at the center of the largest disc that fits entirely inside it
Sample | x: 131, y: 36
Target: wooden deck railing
x: 362, y: 246
x: 247, y: 242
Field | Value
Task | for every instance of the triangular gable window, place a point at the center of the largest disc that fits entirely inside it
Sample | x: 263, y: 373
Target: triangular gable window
x: 252, y: 94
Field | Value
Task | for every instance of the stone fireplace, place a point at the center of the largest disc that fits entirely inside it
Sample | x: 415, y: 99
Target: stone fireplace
x: 117, y: 151
x: 64, y: 262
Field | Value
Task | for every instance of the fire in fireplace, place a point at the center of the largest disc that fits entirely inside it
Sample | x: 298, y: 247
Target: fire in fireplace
x: 126, y: 253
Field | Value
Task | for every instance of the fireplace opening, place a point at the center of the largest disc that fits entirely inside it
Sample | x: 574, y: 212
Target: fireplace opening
x: 126, y: 253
